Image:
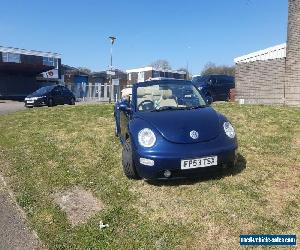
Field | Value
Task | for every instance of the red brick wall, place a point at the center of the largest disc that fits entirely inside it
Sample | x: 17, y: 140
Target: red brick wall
x: 261, y: 82
x: 292, y: 90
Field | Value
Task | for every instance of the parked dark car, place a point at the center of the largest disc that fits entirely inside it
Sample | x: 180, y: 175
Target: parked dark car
x: 167, y: 129
x: 216, y: 86
x: 50, y: 96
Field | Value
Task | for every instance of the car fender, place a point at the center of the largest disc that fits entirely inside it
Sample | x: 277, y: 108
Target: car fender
x: 117, y: 116
x: 135, y: 126
x: 223, y: 119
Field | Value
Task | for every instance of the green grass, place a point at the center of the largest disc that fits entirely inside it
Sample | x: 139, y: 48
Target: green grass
x: 43, y: 151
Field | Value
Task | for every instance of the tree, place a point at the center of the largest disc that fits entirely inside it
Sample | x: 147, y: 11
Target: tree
x: 84, y: 70
x: 161, y: 64
x: 211, y: 68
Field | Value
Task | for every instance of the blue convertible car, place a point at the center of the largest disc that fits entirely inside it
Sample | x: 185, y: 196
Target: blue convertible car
x: 168, y: 130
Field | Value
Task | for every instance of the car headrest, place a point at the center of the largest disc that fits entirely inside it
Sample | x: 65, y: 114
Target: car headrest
x: 140, y: 92
x: 144, y: 91
x: 167, y: 93
x: 126, y: 92
x: 148, y: 91
x: 156, y: 92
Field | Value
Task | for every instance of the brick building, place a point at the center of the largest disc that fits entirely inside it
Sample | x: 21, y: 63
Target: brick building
x: 272, y: 76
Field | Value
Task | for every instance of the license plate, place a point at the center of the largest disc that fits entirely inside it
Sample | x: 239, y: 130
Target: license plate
x: 200, y: 162
x: 30, y: 101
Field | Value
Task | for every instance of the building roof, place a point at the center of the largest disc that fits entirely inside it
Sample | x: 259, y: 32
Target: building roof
x: 149, y: 68
x: 275, y: 52
x: 29, y: 52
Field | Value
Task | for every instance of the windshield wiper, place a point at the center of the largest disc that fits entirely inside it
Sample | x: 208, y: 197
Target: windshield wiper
x: 177, y: 108
x: 165, y: 108
x: 197, y: 107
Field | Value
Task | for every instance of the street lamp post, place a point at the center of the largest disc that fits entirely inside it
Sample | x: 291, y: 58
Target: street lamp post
x: 112, y: 40
x: 187, y: 63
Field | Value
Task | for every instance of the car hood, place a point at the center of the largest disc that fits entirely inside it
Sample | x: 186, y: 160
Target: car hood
x: 36, y: 95
x: 176, y: 125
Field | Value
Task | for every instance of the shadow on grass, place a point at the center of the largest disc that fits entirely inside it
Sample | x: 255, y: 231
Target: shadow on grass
x: 204, y: 176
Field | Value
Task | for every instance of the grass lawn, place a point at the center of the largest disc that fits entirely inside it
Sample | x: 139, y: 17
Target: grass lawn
x: 48, y: 150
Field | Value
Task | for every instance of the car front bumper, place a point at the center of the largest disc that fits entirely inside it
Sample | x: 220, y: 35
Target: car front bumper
x: 171, y: 159
x: 35, y: 103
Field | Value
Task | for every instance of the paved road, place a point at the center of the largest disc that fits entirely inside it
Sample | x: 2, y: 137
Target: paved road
x: 7, y: 106
x: 14, y: 233
x: 10, y: 106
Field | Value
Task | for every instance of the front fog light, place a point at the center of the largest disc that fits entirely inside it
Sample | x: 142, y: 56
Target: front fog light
x: 229, y: 130
x: 146, y: 138
x: 167, y: 173
x: 147, y: 162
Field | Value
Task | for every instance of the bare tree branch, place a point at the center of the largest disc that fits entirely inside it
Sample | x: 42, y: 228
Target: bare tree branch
x: 161, y: 64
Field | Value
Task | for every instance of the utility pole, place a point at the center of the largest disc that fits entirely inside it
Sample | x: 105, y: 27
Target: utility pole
x: 112, y: 40
x: 187, y: 69
x: 187, y: 63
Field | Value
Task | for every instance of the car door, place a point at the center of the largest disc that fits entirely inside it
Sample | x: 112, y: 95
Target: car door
x: 219, y: 90
x: 124, y: 119
x: 213, y: 88
x: 226, y: 84
x: 66, y: 95
x: 57, y: 95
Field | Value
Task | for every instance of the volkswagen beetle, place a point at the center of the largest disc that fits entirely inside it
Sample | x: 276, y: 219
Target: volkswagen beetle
x: 168, y: 130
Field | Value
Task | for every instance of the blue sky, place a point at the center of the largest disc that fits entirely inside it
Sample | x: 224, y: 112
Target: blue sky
x: 193, y: 32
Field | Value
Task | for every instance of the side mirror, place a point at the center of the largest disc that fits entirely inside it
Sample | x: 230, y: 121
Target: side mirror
x: 209, y: 100
x: 124, y: 106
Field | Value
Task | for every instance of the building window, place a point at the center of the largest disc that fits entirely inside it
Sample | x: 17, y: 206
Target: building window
x: 50, y: 61
x: 141, y: 76
x: 11, y: 57
x: 156, y: 74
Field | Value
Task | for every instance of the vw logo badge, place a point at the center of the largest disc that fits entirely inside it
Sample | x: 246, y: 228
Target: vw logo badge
x: 194, y: 134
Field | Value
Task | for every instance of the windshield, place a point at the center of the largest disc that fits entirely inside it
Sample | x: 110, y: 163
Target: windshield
x: 167, y: 96
x: 43, y: 90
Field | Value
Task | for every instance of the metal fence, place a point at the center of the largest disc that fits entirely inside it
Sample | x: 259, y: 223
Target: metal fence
x: 100, y: 92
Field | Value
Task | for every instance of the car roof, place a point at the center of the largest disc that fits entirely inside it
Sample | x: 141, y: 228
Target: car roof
x: 214, y: 75
x: 48, y: 87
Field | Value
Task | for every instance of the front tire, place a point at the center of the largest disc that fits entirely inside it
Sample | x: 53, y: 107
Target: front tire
x: 127, y: 161
x: 116, y: 130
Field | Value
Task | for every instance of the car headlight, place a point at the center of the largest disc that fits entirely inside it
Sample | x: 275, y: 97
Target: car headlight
x: 229, y: 130
x: 146, y: 138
